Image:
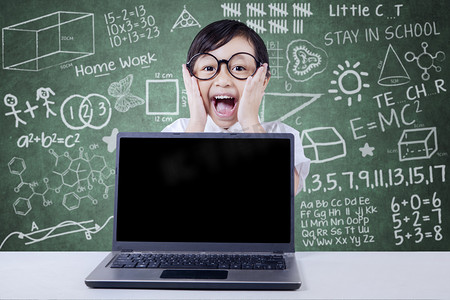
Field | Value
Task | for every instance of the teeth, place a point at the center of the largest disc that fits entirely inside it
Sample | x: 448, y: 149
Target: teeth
x: 223, y: 97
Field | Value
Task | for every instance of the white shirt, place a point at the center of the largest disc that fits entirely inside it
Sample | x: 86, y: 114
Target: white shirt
x: 301, y: 163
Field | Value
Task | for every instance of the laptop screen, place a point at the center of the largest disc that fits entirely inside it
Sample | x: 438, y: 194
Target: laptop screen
x: 204, y: 189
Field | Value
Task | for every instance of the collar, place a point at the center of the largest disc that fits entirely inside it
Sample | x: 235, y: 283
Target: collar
x: 213, y: 127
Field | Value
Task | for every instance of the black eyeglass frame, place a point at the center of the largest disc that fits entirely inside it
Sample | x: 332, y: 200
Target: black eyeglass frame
x: 219, y: 63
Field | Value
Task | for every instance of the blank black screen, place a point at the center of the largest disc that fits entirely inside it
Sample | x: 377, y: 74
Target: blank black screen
x: 234, y: 190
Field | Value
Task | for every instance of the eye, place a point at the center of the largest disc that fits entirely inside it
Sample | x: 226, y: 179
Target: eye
x: 239, y: 68
x: 208, y: 69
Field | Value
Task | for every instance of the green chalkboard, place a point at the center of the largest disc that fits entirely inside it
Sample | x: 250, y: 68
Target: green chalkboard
x: 366, y: 83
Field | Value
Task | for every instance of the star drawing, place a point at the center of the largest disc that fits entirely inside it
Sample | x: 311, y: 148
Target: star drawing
x: 366, y: 150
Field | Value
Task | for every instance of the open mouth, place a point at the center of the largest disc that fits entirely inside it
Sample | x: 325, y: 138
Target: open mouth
x: 224, y: 105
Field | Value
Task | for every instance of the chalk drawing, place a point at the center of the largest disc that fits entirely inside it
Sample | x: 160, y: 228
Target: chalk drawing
x: 297, y: 26
x: 92, y: 111
x: 30, y: 46
x: 44, y: 93
x: 275, y: 59
x: 64, y: 228
x: 231, y: 9
x: 80, y: 173
x: 278, y: 26
x: 323, y: 144
x: 11, y: 101
x: 281, y: 106
x: 417, y: 143
x: 256, y: 25
x: 305, y: 60
x: 22, y: 206
x: 348, y: 73
x: 366, y: 150
x: 278, y: 10
x: 426, y: 61
x: 302, y: 10
x: 163, y: 97
x: 111, y: 140
x: 121, y: 91
x: 185, y: 20
x: 393, y: 73
x: 30, y: 109
x: 255, y: 10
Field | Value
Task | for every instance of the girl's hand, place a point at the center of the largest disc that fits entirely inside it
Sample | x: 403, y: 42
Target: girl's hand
x: 197, y: 110
x: 251, y: 100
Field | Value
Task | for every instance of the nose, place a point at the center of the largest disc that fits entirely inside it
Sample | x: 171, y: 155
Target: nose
x: 223, y: 77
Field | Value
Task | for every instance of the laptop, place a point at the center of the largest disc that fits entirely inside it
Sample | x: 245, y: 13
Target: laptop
x: 202, y: 211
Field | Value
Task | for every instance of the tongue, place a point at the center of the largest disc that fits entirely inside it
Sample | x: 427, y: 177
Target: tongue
x: 224, y: 106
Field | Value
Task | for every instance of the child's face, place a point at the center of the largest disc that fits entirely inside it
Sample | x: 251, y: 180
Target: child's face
x: 10, y: 100
x: 221, y: 94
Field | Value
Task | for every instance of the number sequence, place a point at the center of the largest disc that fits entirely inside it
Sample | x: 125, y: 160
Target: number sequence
x: 375, y: 178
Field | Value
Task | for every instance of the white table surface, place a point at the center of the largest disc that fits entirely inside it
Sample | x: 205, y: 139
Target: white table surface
x: 325, y: 275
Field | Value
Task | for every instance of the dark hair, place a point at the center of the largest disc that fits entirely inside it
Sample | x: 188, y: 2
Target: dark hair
x: 218, y: 33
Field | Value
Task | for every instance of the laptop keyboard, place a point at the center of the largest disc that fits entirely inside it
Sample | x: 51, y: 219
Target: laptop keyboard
x: 199, y: 261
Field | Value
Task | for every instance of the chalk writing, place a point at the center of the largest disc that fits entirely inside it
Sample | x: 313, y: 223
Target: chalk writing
x: 92, y: 111
x: 130, y: 26
x: 417, y: 218
x: 337, y: 222
x: 374, y: 179
x: 102, y: 69
x: 47, y: 140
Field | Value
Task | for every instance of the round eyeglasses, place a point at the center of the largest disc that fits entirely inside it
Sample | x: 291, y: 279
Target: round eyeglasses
x: 205, y: 66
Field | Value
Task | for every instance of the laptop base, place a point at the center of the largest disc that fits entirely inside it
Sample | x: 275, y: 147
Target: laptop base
x: 105, y: 277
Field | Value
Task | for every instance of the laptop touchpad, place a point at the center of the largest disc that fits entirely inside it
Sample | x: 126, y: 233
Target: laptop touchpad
x: 195, y: 274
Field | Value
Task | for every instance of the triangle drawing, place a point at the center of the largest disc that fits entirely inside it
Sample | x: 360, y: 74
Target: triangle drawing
x: 185, y: 20
x: 393, y: 73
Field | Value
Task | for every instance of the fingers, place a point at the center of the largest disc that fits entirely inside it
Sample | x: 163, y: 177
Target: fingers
x: 194, y: 87
x: 186, y: 77
x: 256, y: 83
x: 251, y: 98
x: 261, y: 72
x: 190, y: 82
x: 196, y: 106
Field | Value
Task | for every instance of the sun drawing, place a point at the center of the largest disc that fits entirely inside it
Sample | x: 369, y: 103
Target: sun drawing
x: 349, y: 82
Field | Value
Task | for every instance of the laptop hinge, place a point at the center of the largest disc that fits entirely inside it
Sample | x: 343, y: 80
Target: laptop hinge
x: 126, y: 250
x: 278, y: 252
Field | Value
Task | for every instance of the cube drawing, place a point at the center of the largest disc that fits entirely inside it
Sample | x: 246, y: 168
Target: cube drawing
x: 48, y: 40
x: 417, y: 143
x: 323, y: 144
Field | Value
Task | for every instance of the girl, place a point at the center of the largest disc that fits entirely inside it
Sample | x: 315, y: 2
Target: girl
x: 225, y: 77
